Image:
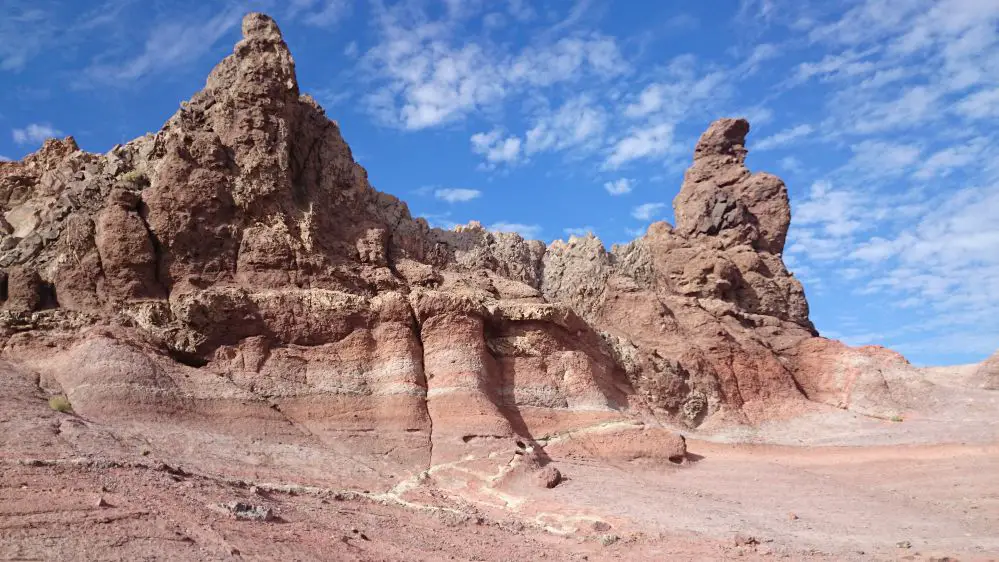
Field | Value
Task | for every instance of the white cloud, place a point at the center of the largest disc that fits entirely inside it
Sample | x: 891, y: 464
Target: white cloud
x: 836, y: 66
x: 784, y: 137
x: 567, y: 59
x: 35, y: 133
x: 5, y: 159
x: 528, y: 231
x: 319, y: 13
x: 916, y: 104
x: 876, y: 250
x: 494, y: 20
x: 881, y: 158
x: 946, y: 262
x: 440, y: 220
x: 521, y: 10
x: 685, y: 89
x: 826, y: 223
x: 791, y: 164
x: 647, y: 211
x: 576, y: 123
x: 24, y: 32
x: 943, y: 162
x: 619, y: 186
x: 837, y: 212
x: 495, y: 148
x: 169, y: 45
x: 426, y: 73
x: 760, y: 54
x: 457, y: 195
x: 983, y: 104
x: 581, y: 231
x: 654, y: 140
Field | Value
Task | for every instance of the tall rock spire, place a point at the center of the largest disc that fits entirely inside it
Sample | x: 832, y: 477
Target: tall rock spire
x: 721, y: 198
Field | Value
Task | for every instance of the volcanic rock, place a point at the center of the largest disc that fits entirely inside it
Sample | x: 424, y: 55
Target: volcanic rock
x: 548, y: 477
x: 236, y: 270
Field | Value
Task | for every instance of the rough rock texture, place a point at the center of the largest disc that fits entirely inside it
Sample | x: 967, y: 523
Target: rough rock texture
x: 237, y: 267
x: 870, y: 380
x: 988, y: 372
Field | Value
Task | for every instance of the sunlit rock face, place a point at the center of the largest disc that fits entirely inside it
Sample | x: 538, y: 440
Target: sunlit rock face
x: 236, y: 269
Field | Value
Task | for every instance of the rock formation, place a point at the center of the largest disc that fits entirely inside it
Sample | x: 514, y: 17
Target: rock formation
x: 237, y: 267
x: 988, y: 372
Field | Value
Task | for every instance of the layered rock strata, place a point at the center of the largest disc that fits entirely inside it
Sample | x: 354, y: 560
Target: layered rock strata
x: 237, y: 266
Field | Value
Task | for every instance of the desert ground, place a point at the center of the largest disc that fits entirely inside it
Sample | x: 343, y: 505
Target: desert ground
x: 828, y: 486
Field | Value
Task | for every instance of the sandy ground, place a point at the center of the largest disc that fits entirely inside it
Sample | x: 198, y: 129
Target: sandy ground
x: 830, y: 485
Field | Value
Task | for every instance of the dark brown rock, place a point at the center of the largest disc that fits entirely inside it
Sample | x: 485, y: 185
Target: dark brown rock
x: 127, y: 254
x: 24, y: 290
x: 548, y: 477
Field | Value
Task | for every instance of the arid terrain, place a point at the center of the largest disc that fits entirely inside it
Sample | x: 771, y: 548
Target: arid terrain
x: 218, y: 341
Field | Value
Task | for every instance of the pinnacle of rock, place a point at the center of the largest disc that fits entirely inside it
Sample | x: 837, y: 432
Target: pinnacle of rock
x: 721, y: 199
x: 724, y: 137
x: 260, y: 26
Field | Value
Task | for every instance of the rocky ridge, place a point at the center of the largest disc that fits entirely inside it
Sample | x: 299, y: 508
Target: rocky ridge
x: 988, y: 372
x: 237, y: 267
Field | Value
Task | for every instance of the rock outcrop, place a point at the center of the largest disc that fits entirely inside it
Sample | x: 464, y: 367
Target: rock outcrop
x: 238, y: 266
x: 988, y: 372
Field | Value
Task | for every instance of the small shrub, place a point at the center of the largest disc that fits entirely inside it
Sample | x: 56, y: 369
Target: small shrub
x: 896, y: 418
x: 133, y: 177
x: 60, y: 404
x: 608, y: 540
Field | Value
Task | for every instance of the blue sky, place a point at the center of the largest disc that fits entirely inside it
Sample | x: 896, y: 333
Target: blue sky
x: 559, y: 117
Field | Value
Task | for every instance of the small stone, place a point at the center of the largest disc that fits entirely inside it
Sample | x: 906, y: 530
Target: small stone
x: 548, y: 477
x: 745, y: 540
x: 247, y: 511
x: 601, y: 526
x: 9, y: 243
x: 791, y: 516
x: 903, y: 544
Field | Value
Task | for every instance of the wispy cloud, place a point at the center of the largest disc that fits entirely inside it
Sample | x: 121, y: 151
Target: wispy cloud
x: 645, y: 142
x: 528, y: 231
x: 577, y: 123
x: 619, y: 186
x: 319, y: 13
x: 579, y: 231
x: 35, y: 133
x: 783, y: 138
x: 29, y: 29
x: 169, y: 45
x: 457, y: 195
x: 425, y: 74
x: 648, y: 211
x: 24, y: 31
x: 496, y: 148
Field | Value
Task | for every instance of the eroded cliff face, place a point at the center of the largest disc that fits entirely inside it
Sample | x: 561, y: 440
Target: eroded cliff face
x: 237, y: 266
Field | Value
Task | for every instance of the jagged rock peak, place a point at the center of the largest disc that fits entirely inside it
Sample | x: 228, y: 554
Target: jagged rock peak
x: 724, y: 137
x: 720, y: 198
x: 261, y: 26
x: 261, y: 63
